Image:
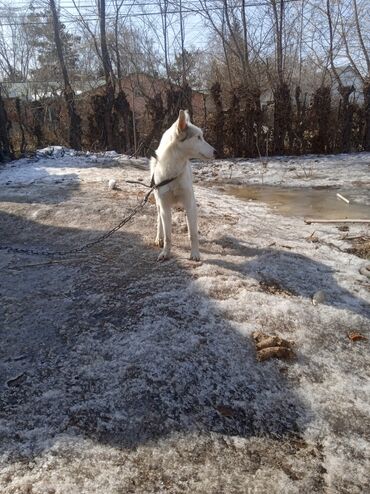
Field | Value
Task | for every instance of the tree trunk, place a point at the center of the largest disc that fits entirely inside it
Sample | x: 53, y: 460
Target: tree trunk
x: 74, y: 137
x: 156, y: 113
x: 250, y: 98
x: 5, y: 148
x: 320, y: 118
x: 345, y: 119
x: 282, y: 117
x: 123, y: 123
x: 23, y: 143
x: 109, y: 79
x: 37, y: 123
x: 234, y: 129
x: 298, y: 122
x: 219, y: 119
x: 366, y: 141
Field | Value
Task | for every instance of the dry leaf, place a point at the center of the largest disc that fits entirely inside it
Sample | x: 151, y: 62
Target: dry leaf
x: 269, y: 346
x: 356, y: 336
x: 272, y: 341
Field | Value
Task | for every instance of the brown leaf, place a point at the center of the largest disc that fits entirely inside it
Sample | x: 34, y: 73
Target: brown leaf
x: 264, y: 340
x: 356, y: 336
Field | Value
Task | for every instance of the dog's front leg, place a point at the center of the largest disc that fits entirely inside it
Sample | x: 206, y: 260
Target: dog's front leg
x: 159, y: 237
x: 165, y: 214
x: 191, y: 218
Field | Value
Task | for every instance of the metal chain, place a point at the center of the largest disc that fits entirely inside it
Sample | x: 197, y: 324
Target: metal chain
x: 89, y: 244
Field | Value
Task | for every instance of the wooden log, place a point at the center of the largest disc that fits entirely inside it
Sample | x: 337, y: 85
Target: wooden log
x: 308, y: 221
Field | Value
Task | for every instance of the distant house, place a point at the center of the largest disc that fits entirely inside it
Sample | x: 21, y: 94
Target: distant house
x: 22, y: 90
x: 150, y: 99
x: 140, y: 87
x: 35, y: 90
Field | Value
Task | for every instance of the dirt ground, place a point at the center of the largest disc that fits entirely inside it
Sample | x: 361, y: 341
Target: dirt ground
x: 123, y: 375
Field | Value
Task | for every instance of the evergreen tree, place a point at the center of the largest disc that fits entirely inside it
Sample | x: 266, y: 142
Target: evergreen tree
x: 47, y: 63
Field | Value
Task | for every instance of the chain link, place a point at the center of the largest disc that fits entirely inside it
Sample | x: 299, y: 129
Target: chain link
x: 106, y: 235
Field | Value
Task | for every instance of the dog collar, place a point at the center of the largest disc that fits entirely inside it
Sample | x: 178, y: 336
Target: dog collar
x: 164, y: 182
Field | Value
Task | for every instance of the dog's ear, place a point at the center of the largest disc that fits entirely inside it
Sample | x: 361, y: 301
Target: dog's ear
x: 182, y: 121
x: 187, y: 116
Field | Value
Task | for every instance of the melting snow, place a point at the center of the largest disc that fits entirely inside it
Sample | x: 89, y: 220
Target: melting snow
x: 142, y: 377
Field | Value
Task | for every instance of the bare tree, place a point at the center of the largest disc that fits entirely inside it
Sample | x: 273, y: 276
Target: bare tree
x: 5, y: 149
x: 163, y: 5
x: 366, y: 77
x: 282, y: 100
x: 16, y: 49
x: 108, y: 74
x: 345, y: 111
x: 258, y: 54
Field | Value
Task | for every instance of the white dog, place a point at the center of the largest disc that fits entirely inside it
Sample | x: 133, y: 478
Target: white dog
x: 171, y: 173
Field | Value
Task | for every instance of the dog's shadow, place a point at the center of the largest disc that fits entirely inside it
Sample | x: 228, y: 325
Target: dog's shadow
x: 123, y: 350
x: 292, y: 272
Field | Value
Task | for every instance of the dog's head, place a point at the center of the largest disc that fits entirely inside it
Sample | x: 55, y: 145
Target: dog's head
x: 190, y: 138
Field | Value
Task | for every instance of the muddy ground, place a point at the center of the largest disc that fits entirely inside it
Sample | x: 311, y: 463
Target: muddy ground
x: 123, y: 375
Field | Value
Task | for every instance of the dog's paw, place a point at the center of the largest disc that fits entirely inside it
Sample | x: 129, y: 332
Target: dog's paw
x: 195, y: 256
x: 163, y: 256
x: 158, y: 242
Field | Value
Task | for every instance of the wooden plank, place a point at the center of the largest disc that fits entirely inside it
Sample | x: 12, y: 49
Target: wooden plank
x: 343, y: 198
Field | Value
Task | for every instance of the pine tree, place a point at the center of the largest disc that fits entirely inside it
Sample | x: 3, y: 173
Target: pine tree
x: 47, y: 63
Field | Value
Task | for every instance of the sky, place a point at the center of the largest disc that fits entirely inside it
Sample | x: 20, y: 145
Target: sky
x: 139, y: 13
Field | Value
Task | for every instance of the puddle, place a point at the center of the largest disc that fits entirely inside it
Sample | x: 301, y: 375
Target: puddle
x: 320, y: 203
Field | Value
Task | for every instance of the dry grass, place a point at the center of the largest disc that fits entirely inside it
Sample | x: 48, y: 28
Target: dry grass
x: 360, y: 247
x: 275, y: 288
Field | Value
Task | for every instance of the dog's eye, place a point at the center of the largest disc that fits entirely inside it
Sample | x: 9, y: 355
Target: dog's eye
x: 199, y: 138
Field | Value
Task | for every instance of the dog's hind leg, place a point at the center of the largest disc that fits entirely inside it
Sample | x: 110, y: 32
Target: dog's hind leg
x: 159, y: 237
x: 191, y: 218
x: 165, y: 213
